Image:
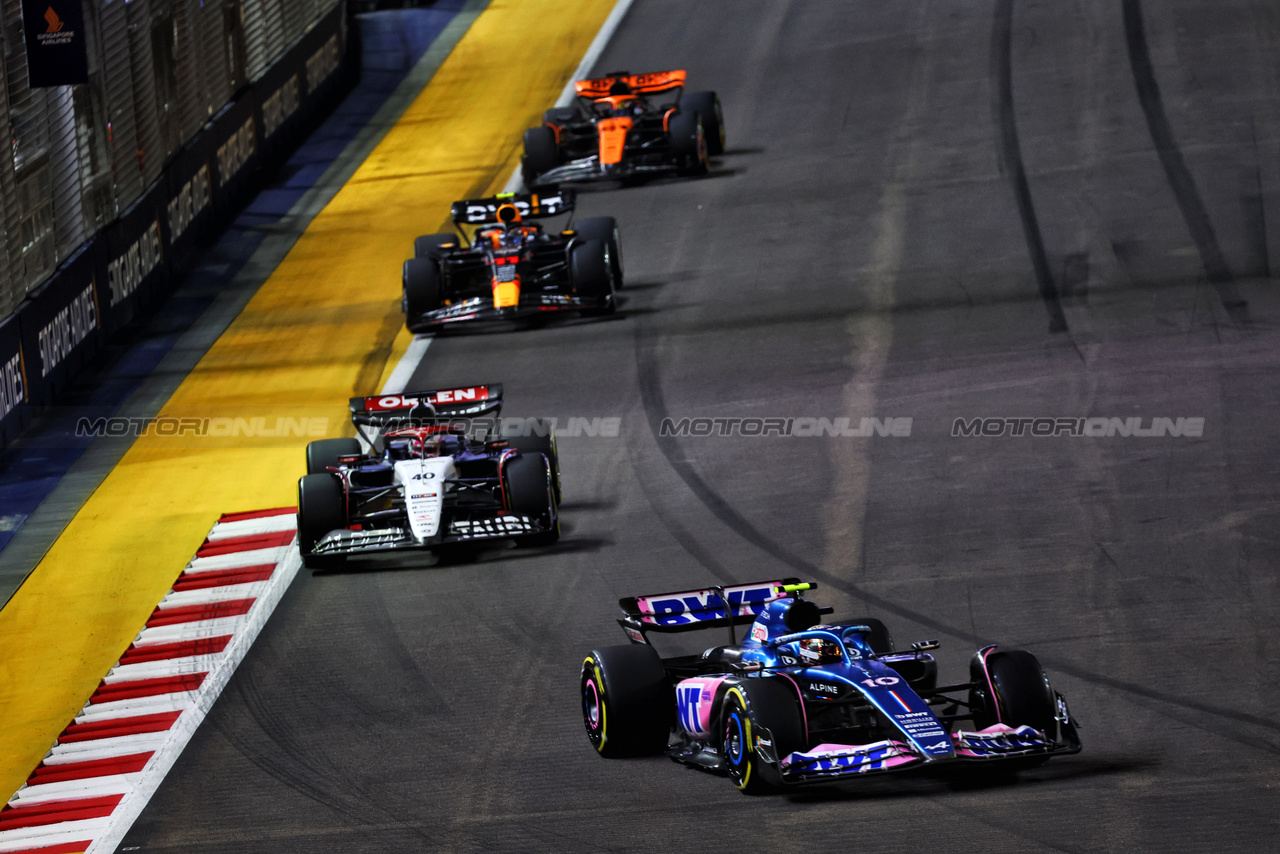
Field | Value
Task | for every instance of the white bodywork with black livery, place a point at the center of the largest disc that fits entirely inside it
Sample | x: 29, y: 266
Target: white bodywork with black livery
x: 435, y: 470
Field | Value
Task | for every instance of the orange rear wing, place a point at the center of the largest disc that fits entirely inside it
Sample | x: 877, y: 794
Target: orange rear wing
x: 640, y: 84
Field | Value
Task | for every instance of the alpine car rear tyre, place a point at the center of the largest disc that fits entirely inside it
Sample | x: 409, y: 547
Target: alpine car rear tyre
x: 320, y: 509
x: 879, y: 638
x: 541, y: 154
x: 707, y: 104
x: 688, y: 142
x: 1022, y: 693
x: 542, y: 441
x: 421, y: 287
x: 428, y: 245
x: 589, y: 269
x: 323, y: 454
x: 605, y: 229
x: 627, y: 704
x: 528, y: 483
x: 750, y: 708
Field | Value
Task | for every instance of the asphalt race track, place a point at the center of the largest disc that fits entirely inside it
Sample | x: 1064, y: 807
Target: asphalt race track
x: 929, y: 210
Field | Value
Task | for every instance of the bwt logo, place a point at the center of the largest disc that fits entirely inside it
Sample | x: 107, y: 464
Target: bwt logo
x: 707, y: 605
x: 690, y: 699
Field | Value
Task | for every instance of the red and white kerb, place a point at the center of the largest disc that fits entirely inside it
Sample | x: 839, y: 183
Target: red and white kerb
x: 104, y: 767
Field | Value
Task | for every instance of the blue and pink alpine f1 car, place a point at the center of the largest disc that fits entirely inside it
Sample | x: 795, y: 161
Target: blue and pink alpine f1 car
x: 800, y: 701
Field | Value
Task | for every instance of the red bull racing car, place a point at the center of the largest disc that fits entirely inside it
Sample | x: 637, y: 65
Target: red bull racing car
x: 426, y: 483
x: 512, y: 267
x: 625, y: 126
x: 800, y: 701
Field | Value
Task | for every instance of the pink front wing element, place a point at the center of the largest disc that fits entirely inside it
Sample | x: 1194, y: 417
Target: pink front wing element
x: 850, y: 758
x: 998, y: 741
x: 695, y: 700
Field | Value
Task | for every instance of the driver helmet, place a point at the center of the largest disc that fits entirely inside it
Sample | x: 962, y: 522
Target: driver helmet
x: 819, y: 651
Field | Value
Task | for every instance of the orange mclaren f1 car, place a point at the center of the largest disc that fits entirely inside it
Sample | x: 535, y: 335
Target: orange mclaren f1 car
x: 625, y: 126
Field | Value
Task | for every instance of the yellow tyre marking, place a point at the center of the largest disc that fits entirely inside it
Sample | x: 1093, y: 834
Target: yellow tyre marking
x: 746, y: 737
x: 320, y: 330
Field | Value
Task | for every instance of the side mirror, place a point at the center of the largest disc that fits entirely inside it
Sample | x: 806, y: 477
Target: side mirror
x: 921, y: 646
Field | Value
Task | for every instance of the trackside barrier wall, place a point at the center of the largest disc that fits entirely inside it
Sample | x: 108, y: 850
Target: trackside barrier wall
x: 131, y: 264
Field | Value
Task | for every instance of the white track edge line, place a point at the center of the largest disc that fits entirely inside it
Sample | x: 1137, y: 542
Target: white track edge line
x: 131, y: 806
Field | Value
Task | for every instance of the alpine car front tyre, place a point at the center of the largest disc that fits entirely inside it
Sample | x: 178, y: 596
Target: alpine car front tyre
x: 605, y: 229
x: 760, y: 726
x: 323, y: 454
x: 320, y: 509
x: 627, y: 704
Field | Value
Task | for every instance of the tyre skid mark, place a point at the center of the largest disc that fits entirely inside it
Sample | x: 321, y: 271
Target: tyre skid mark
x: 1185, y: 192
x: 1011, y: 158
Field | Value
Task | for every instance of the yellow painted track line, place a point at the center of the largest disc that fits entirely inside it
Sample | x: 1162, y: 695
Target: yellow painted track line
x: 320, y: 330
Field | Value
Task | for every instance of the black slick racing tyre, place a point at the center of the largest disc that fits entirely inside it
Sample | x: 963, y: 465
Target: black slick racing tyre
x: 1018, y: 694
x: 751, y: 709
x: 323, y: 453
x: 707, y: 105
x: 879, y: 638
x: 529, y: 492
x: 428, y: 245
x: 627, y: 703
x: 561, y: 116
x: 421, y: 287
x: 1022, y: 693
x: 589, y: 269
x: 605, y: 229
x: 321, y: 508
x: 688, y: 143
x: 541, y: 154
x: 542, y: 441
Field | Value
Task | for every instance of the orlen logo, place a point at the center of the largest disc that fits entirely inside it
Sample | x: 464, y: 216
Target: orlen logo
x: 453, y: 395
x: 55, y: 23
x: 706, y: 605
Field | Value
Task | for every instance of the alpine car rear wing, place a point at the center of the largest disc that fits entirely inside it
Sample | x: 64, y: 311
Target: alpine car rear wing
x: 530, y: 205
x: 691, y: 610
x: 390, y: 410
x: 639, y: 84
